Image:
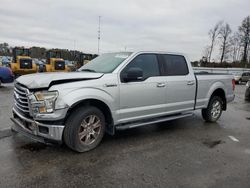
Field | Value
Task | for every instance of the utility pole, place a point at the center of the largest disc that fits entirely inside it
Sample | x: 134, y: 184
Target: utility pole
x: 74, y: 49
x: 99, y: 35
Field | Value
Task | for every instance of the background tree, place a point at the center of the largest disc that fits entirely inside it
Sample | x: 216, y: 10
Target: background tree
x: 4, y: 49
x: 213, y: 34
x: 206, y: 53
x: 236, y: 45
x: 38, y: 52
x: 244, y: 31
x: 224, y: 34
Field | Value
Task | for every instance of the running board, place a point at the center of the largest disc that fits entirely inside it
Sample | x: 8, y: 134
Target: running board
x: 152, y: 121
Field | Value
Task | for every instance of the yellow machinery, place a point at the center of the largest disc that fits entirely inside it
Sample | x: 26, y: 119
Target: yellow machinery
x: 84, y: 58
x: 22, y: 63
x: 54, y: 62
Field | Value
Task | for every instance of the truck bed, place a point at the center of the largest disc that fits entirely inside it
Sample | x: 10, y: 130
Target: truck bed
x: 208, y: 82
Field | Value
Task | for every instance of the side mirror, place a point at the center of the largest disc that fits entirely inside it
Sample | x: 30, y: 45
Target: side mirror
x: 133, y: 74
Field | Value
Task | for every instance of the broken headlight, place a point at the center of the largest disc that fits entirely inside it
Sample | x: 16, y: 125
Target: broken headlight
x: 45, y: 101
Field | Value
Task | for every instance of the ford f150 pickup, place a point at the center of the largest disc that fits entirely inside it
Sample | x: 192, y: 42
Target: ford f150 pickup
x: 115, y: 91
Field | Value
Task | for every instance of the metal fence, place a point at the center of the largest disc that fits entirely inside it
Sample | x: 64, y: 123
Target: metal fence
x: 221, y: 70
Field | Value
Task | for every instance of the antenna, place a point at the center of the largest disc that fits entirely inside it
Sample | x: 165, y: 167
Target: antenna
x: 99, y: 34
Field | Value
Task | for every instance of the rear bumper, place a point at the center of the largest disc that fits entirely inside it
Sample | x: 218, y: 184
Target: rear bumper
x: 35, y: 130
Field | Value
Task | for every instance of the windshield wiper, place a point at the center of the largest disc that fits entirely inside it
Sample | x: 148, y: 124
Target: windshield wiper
x: 88, y: 70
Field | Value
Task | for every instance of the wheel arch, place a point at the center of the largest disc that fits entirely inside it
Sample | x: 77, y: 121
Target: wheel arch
x: 220, y: 93
x: 101, y: 106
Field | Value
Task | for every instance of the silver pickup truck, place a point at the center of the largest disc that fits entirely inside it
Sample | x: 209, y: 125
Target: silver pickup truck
x: 115, y: 91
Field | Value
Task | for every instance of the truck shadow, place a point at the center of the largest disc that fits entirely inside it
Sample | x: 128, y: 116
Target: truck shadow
x: 135, y: 136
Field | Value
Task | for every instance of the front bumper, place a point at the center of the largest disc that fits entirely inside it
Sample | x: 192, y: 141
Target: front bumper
x: 35, y: 130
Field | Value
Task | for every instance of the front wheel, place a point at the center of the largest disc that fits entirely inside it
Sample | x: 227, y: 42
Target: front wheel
x: 84, y: 129
x: 214, y: 110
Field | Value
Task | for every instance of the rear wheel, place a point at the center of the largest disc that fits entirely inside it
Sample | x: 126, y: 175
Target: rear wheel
x: 84, y: 129
x: 214, y: 110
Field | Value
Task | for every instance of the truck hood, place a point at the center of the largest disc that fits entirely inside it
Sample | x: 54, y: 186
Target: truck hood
x: 46, y: 80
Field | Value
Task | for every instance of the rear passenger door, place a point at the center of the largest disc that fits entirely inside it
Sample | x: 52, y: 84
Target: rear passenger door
x: 180, y: 85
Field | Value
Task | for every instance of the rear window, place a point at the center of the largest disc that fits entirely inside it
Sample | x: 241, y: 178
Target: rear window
x: 246, y: 74
x: 175, y: 65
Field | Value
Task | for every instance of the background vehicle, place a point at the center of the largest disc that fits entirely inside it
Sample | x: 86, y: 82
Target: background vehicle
x: 237, y: 77
x: 71, y: 66
x: 241, y: 77
x: 84, y: 58
x: 6, y: 75
x: 22, y: 63
x: 54, y: 62
x: 116, y: 91
x: 5, y: 61
x: 247, y: 93
x: 245, y: 77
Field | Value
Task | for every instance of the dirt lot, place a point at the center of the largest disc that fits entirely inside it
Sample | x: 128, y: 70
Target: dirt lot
x: 182, y: 153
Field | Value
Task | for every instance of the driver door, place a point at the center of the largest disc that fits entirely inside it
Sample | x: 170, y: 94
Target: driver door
x: 146, y: 97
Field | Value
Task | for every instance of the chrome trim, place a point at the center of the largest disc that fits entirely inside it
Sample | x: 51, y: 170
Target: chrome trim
x: 21, y: 99
x: 27, y: 111
x: 18, y: 91
x: 153, y: 121
x: 19, y: 87
x: 55, y: 131
x: 22, y: 106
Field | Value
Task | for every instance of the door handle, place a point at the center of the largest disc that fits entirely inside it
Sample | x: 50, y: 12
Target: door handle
x: 161, y: 85
x: 190, y: 83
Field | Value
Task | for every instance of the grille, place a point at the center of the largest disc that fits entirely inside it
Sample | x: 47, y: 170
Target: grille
x: 59, y: 65
x: 25, y: 64
x: 21, y: 99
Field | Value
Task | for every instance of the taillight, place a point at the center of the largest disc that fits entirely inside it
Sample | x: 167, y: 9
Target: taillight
x: 233, y: 84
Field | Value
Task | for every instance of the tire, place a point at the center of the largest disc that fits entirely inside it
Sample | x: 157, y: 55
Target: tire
x: 214, y: 109
x: 79, y: 124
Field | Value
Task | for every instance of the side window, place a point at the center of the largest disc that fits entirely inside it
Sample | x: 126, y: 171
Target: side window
x: 147, y: 62
x: 244, y: 74
x: 175, y: 65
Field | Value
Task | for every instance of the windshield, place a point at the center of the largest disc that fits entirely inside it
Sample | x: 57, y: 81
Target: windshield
x: 105, y: 63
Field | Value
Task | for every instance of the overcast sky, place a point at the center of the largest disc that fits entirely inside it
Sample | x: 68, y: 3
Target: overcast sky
x: 169, y: 25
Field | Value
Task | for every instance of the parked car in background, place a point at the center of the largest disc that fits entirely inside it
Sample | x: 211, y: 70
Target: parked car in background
x: 245, y: 77
x: 5, y: 61
x: 247, y: 93
x: 237, y: 76
x: 6, y: 75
